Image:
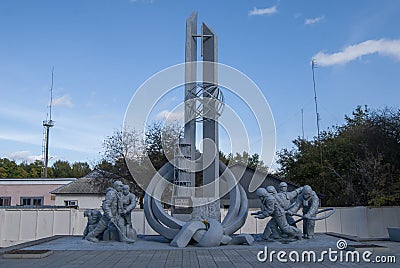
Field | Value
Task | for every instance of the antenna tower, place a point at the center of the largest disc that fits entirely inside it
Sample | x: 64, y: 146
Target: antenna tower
x: 313, y: 66
x: 47, y: 124
x: 302, y: 122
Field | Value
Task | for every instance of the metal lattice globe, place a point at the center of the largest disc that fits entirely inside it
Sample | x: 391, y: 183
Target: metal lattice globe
x: 209, y: 101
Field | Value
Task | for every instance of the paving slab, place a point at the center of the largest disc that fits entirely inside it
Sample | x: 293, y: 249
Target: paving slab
x: 154, y: 251
x: 156, y: 242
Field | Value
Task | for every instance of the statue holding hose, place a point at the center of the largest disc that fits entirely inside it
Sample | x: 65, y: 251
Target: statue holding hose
x: 309, y: 201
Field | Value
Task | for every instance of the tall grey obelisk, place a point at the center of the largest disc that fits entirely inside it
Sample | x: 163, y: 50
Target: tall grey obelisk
x: 196, y: 176
x: 203, y: 94
x: 210, y: 120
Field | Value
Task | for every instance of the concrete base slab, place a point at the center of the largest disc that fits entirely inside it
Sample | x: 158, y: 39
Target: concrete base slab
x: 242, y: 239
x: 157, y: 242
x: 154, y: 251
x: 27, y: 254
x: 358, y: 239
x: 394, y: 233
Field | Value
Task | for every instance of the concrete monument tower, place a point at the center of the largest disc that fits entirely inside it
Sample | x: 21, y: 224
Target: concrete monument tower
x: 203, y: 101
x: 196, y: 208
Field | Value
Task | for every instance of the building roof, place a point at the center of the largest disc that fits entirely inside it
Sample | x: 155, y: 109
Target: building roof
x: 247, y: 176
x: 269, y: 179
x: 47, y: 181
x: 93, y: 183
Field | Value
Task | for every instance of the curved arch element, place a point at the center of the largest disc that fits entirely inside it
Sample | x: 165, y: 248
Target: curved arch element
x: 241, y: 217
x: 234, y: 201
x: 166, y: 231
x: 169, y: 227
x: 213, y: 235
x: 164, y: 217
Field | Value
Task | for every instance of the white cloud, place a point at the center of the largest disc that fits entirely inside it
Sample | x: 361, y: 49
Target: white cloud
x: 263, y: 11
x: 63, y: 101
x: 21, y: 156
x: 314, y: 20
x: 382, y: 46
x: 170, y: 116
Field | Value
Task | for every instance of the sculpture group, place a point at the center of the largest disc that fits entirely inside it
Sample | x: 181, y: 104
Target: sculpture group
x: 282, y: 205
x: 116, y: 223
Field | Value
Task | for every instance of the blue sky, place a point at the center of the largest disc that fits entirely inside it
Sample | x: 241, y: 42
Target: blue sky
x: 102, y: 51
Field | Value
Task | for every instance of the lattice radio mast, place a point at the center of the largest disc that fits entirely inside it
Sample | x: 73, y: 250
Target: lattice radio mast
x: 47, y: 124
x: 313, y: 66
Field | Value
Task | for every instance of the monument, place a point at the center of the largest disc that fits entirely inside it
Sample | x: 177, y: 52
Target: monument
x: 196, y: 210
x: 195, y: 177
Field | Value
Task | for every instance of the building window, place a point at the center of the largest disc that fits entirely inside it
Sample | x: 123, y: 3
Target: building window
x: 71, y: 203
x: 5, y: 201
x: 32, y: 201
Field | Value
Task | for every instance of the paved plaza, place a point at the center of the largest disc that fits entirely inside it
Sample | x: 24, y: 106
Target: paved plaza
x: 153, y: 251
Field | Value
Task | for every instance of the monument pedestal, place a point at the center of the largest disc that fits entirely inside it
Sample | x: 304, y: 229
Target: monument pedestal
x: 188, y: 209
x: 207, y: 211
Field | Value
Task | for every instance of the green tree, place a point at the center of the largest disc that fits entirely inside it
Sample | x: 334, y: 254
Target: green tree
x: 61, y: 169
x: 357, y: 163
x: 34, y: 170
x: 79, y: 169
x: 252, y: 161
x: 105, y: 165
x: 10, y: 169
x: 121, y: 147
x: 161, y: 142
x: 145, y: 153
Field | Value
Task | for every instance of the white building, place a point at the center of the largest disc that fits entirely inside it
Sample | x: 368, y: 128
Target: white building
x: 29, y: 191
x: 86, y: 192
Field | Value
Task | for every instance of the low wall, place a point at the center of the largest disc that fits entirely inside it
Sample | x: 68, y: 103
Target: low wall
x: 18, y: 225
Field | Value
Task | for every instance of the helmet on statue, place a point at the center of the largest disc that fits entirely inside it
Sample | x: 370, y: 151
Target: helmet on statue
x: 261, y: 192
x: 271, y: 189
